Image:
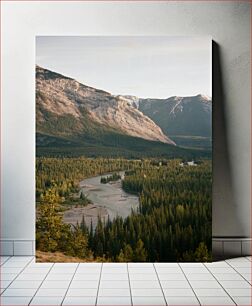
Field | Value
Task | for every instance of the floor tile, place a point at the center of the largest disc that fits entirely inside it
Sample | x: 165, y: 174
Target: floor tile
x: 220, y: 270
x: 196, y: 270
x: 204, y: 284
x: 243, y: 300
x: 114, y: 269
x: 235, y: 284
x: 140, y: 264
x: 172, y: 276
x: 62, y: 270
x: 84, y: 284
x: 33, y: 270
x: 51, y: 292
x: 161, y: 270
x: 178, y: 292
x: 201, y: 276
x: 59, y: 277
x: 87, y: 277
x: 174, y: 284
x: 15, y: 300
x: 87, y: 270
x: 21, y: 258
x: 115, y: 264
x: 65, y: 265
x: 191, y: 264
x: 82, y: 292
x: 145, y: 284
x: 19, y: 292
x: 80, y: 301
x: 243, y: 270
x: 103, y: 300
x: 237, y: 259
x: 8, y: 276
x: 25, y: 284
x: 229, y: 276
x: 114, y: 284
x: 55, y: 284
x: 114, y: 292
x: 47, y: 300
x: 146, y: 292
x: 14, y: 264
x: 4, y: 259
x: 209, y: 292
x: 5, y: 283
x: 30, y: 276
x: 40, y: 265
x: 239, y: 291
x: 220, y: 300
x: 116, y: 276
x: 216, y: 264
x: 141, y: 271
x: 143, y: 277
x: 152, y: 301
x: 247, y: 277
x: 166, y: 264
x: 97, y: 264
x: 9, y: 270
x: 241, y: 264
x: 180, y: 300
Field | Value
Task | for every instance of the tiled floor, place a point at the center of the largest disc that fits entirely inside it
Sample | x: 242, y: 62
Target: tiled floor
x: 24, y: 282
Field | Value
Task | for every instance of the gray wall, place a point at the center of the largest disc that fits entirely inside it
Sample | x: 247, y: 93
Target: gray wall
x: 229, y: 25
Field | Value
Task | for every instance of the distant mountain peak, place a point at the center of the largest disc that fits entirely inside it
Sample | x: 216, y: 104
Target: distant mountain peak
x: 181, y: 115
x: 204, y: 97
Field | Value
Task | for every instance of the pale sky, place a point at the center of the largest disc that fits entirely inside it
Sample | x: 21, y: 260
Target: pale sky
x: 144, y: 66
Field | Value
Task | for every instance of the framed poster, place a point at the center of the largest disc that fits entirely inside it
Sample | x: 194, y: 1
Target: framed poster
x: 123, y: 148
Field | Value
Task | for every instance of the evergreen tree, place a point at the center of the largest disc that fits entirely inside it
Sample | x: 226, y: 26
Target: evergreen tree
x: 140, y: 254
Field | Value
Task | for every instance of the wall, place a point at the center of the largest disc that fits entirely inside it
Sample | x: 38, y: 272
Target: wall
x: 229, y: 25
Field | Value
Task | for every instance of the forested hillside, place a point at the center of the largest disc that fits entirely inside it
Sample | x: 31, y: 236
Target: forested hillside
x: 173, y: 221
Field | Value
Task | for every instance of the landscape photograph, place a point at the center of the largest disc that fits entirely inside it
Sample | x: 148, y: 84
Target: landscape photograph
x: 123, y: 149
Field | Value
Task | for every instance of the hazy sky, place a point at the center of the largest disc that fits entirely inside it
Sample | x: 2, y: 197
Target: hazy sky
x: 151, y: 66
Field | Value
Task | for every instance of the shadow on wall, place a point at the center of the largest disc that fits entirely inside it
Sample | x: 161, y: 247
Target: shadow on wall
x: 225, y: 215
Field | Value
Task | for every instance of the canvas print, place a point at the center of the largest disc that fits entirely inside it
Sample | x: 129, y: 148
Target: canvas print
x: 123, y: 149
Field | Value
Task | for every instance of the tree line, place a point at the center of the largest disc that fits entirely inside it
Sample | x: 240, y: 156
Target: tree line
x: 173, y: 221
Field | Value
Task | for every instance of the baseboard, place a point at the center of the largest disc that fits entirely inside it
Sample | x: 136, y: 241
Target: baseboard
x: 17, y: 247
x: 222, y: 247
x: 225, y: 247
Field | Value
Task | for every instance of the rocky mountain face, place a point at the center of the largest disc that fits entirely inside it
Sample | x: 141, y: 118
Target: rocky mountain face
x: 67, y: 107
x: 187, y: 116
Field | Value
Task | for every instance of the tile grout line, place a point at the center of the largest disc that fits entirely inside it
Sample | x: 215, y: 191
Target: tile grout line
x: 160, y: 284
x: 247, y: 258
x: 70, y: 284
x: 16, y: 277
x: 0, y: 277
x: 189, y: 284
x: 1, y: 266
x: 131, y: 298
x: 96, y: 300
x: 239, y: 272
x: 41, y: 283
x: 9, y: 257
x: 220, y: 283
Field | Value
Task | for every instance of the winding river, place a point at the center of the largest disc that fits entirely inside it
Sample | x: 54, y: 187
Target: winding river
x: 108, y: 200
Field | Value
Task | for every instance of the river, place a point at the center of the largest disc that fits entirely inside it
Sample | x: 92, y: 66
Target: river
x: 108, y: 200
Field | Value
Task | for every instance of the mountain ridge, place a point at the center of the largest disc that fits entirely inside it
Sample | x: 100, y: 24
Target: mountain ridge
x: 65, y: 96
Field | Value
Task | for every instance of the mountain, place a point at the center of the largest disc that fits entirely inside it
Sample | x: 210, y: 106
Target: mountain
x: 64, y: 97
x: 73, y: 119
x: 187, y: 120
